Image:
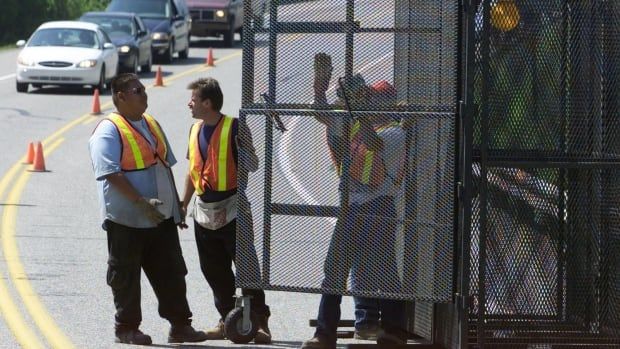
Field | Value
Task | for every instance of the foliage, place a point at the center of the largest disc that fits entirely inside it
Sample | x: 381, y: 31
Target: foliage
x: 19, y: 18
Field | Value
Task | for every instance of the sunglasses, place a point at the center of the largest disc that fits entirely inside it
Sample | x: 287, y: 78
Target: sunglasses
x: 137, y: 90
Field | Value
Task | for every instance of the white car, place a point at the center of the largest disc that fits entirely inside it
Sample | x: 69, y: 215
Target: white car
x: 66, y: 53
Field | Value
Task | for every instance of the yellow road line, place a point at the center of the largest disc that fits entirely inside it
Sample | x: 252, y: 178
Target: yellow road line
x: 42, y: 319
x: 13, y: 317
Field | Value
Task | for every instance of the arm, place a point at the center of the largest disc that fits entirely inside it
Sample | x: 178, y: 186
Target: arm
x: 120, y: 183
x: 322, y: 75
x: 187, y: 192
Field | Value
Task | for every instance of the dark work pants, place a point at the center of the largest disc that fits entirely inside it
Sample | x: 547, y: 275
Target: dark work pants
x: 216, y: 250
x: 156, y: 251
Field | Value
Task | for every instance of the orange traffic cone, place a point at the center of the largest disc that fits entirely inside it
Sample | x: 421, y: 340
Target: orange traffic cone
x: 210, y: 58
x: 39, y: 162
x: 159, y: 81
x: 29, y: 154
x: 96, y: 104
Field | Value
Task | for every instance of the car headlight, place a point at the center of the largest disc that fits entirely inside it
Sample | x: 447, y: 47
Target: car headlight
x: 89, y: 63
x: 25, y: 61
x: 124, y: 49
x: 160, y: 36
x: 220, y: 13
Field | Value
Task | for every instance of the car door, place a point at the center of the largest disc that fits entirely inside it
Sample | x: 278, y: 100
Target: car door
x: 110, y: 56
x: 144, y: 41
x: 181, y: 24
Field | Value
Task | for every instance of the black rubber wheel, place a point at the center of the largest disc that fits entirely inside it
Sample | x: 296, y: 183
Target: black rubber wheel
x: 233, y: 327
x: 169, y: 54
x: 185, y: 53
x: 101, y: 84
x: 134, y: 68
x: 147, y: 67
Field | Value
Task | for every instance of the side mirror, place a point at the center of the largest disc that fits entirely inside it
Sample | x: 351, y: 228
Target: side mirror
x: 21, y: 43
x: 178, y: 18
x: 141, y: 33
x: 108, y: 46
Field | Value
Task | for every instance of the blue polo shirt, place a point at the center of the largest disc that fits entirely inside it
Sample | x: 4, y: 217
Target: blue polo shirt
x: 105, y: 147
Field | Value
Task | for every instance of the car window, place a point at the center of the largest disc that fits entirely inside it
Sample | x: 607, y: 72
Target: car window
x: 65, y: 37
x: 141, y: 24
x: 113, y: 26
x: 182, y: 7
x: 145, y: 8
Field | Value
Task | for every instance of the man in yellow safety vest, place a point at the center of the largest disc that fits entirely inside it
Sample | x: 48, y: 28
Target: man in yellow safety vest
x: 131, y: 159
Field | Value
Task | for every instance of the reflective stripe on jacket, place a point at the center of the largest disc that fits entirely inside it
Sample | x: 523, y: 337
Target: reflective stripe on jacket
x: 218, y: 172
x: 137, y: 153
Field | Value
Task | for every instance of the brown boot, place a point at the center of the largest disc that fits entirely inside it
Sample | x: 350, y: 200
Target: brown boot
x: 263, y: 336
x: 216, y: 332
x: 317, y: 342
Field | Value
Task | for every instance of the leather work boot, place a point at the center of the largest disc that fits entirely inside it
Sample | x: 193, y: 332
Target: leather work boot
x: 217, y: 332
x: 263, y: 336
x: 318, y: 342
x: 185, y: 333
x: 132, y: 336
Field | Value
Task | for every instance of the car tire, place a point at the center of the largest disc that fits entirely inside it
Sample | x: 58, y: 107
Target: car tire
x: 21, y: 86
x: 101, y: 84
x: 148, y: 66
x: 168, y: 55
x: 134, y: 66
x: 229, y: 36
x: 185, y: 53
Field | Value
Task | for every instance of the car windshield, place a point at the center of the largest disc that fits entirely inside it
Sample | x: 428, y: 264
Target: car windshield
x: 64, y: 37
x: 145, y: 8
x: 113, y: 26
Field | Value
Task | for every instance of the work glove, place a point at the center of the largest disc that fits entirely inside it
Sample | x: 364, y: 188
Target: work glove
x: 148, y: 207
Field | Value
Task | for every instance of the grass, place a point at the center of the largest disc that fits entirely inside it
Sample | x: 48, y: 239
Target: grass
x: 5, y: 46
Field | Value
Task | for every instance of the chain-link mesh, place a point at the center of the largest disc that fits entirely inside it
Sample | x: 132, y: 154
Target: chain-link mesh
x: 544, y: 247
x: 351, y: 203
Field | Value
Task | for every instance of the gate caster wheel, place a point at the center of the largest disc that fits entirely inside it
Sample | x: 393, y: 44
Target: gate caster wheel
x: 238, y: 329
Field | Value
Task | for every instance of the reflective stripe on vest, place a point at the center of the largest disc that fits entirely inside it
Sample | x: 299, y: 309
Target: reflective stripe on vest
x: 219, y: 171
x: 138, y: 153
x: 364, y: 167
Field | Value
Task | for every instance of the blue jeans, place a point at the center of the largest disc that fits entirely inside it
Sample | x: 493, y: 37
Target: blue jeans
x: 362, y: 239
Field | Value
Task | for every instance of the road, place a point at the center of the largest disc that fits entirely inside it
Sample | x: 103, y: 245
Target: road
x: 52, y: 285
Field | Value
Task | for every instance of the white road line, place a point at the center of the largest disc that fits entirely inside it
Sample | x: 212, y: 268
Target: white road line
x: 283, y: 150
x: 6, y: 77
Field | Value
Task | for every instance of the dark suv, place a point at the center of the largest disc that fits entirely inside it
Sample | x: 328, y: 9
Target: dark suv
x: 222, y: 17
x: 167, y: 20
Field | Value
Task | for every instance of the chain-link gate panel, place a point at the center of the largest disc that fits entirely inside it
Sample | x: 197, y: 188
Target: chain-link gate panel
x: 546, y: 160
x: 354, y: 192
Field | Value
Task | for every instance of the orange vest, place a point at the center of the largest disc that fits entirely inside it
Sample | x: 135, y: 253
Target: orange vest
x: 137, y: 153
x: 218, y: 172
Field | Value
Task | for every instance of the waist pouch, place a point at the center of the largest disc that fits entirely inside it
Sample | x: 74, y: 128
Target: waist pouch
x: 214, y: 215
